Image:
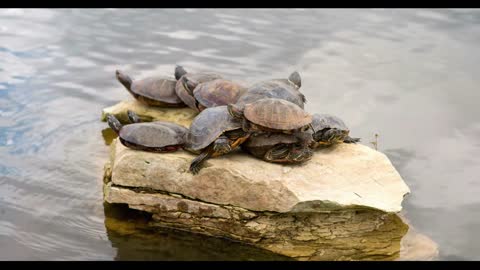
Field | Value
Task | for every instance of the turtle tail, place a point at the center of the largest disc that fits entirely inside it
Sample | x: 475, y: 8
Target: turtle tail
x: 124, y: 79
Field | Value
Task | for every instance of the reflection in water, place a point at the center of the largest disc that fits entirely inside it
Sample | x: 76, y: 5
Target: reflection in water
x: 132, y: 238
x: 408, y: 75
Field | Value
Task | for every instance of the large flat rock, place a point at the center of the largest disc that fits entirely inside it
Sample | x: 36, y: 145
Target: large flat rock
x: 345, y: 176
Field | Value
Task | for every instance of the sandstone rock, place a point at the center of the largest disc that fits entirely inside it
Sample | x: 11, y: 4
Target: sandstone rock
x: 341, y: 205
x: 182, y: 116
x: 346, y: 234
x: 346, y: 176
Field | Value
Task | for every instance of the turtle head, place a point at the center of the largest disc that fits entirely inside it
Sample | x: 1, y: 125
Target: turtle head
x: 299, y: 154
x: 295, y: 79
x: 124, y: 79
x: 114, y: 123
x: 179, y: 72
x: 133, y: 117
x: 331, y: 136
x: 189, y: 85
x: 235, y: 111
x: 222, y: 146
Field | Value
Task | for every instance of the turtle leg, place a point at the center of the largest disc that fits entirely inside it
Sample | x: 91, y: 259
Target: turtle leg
x: 114, y: 123
x: 349, y: 139
x: 219, y: 147
x: 195, y: 166
x: 133, y: 117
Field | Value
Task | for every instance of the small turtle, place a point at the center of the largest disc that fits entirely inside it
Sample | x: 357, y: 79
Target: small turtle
x: 158, y: 136
x: 277, y: 148
x: 287, y: 89
x: 214, y: 132
x: 187, y: 82
x: 329, y: 130
x: 218, y: 92
x: 152, y: 91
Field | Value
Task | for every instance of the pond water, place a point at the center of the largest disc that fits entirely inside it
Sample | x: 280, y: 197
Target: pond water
x: 411, y: 76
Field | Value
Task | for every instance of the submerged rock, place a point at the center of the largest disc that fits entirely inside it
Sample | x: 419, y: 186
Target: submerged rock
x: 341, y: 205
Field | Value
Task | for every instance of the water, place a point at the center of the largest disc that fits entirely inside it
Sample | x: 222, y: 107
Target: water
x: 410, y: 76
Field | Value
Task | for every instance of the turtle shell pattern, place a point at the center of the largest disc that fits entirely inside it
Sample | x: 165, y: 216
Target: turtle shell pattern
x: 277, y: 114
x: 153, y: 134
x: 218, y: 92
x: 157, y: 88
x: 208, y: 126
x: 277, y: 88
x: 323, y: 121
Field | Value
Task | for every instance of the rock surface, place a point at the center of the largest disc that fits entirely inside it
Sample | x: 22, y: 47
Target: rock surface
x: 341, y: 205
x: 346, y: 176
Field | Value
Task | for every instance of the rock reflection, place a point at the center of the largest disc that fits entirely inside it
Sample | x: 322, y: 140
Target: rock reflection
x: 133, y: 238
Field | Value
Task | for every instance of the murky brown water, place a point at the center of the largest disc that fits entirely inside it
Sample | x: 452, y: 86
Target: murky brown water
x: 409, y: 75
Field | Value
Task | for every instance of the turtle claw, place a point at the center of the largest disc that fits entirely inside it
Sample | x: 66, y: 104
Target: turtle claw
x: 195, y: 168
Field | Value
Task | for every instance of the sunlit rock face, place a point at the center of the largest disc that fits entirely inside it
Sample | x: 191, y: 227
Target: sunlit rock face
x: 341, y: 205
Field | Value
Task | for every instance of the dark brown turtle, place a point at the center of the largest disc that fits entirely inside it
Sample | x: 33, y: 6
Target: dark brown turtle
x: 158, y: 136
x: 218, y: 92
x: 152, y: 91
x: 277, y: 148
x: 329, y: 130
x: 214, y: 132
x: 287, y: 89
x: 187, y: 82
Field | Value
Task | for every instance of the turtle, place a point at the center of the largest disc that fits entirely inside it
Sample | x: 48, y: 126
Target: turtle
x: 277, y: 148
x: 271, y: 115
x: 157, y: 136
x: 187, y: 82
x: 329, y: 130
x: 287, y: 89
x: 213, y: 132
x: 158, y: 91
x: 217, y: 93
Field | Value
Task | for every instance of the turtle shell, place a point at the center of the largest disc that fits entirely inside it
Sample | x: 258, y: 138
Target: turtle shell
x: 208, y: 126
x: 269, y: 140
x: 157, y: 88
x: 323, y: 121
x: 197, y: 78
x: 153, y: 134
x: 277, y: 114
x: 277, y: 88
x: 218, y: 92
